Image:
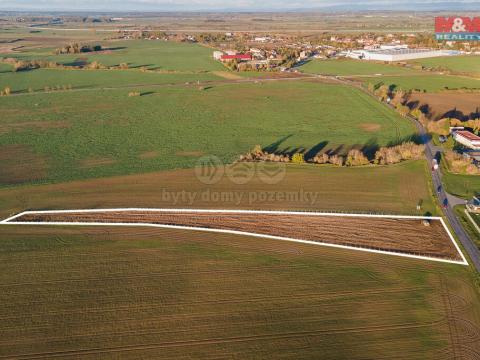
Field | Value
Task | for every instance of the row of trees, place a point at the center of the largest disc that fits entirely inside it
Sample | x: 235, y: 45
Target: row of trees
x: 21, y: 65
x: 399, y: 100
x: 355, y: 157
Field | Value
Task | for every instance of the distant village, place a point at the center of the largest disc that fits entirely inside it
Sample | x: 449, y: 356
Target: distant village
x: 276, y: 52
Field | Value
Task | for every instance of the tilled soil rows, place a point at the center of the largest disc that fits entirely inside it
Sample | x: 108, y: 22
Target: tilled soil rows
x: 409, y: 236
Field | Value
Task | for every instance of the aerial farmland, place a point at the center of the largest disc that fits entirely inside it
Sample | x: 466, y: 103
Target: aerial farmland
x: 158, y: 203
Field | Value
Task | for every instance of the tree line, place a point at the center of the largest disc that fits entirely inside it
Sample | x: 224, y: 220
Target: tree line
x: 355, y: 157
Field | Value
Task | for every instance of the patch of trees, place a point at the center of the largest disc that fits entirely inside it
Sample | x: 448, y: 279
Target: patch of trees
x: 76, y: 48
x: 398, y: 153
x: 23, y: 65
x: 456, y: 163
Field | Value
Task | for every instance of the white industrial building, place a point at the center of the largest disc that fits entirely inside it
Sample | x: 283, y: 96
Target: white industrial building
x: 400, y: 53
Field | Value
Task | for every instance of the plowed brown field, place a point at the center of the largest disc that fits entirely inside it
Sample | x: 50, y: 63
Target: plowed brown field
x: 398, y: 235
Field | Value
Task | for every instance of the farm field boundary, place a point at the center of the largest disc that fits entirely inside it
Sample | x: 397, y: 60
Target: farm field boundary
x: 93, y: 217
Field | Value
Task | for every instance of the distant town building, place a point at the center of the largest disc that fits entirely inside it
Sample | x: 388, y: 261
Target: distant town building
x: 238, y: 57
x: 217, y: 55
x: 398, y: 53
x: 467, y: 139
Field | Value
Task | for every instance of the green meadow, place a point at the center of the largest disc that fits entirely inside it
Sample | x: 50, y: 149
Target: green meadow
x: 425, y: 83
x: 152, y: 54
x: 350, y: 67
x: 464, y: 186
x: 460, y: 64
x: 71, y: 135
x: 52, y: 78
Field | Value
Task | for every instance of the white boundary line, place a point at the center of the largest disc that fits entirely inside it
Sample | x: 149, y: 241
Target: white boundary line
x: 9, y: 221
x: 474, y: 223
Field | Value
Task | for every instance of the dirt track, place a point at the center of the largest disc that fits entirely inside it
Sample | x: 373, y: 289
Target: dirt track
x: 397, y: 235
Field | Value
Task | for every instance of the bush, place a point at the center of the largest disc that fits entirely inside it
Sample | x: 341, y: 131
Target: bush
x: 95, y: 65
x: 356, y: 158
x: 298, y: 158
x: 336, y: 160
x: 321, y: 159
x: 402, y: 109
x: 440, y: 127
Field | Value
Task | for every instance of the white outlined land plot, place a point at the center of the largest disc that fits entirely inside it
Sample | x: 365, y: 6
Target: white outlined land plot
x: 418, y: 237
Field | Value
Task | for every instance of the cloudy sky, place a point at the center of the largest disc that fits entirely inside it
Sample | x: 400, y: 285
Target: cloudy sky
x: 191, y: 5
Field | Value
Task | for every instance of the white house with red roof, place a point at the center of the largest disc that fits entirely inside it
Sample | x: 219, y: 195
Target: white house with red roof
x: 238, y: 57
x: 467, y: 139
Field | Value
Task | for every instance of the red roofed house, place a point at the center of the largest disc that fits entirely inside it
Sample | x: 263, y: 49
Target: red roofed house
x: 468, y: 139
x: 239, y: 57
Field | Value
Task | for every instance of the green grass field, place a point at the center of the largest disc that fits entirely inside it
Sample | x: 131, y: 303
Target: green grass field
x: 67, y: 136
x: 427, y: 83
x: 458, y: 64
x: 39, y: 79
x: 465, y: 186
x: 142, y: 293
x: 157, y: 55
x: 352, y: 67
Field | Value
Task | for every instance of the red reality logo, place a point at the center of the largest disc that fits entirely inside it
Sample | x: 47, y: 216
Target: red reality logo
x: 457, y: 24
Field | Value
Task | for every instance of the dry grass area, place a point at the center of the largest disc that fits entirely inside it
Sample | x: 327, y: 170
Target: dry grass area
x: 390, y: 189
x: 227, y: 75
x: 396, y: 235
x: 148, y: 293
x: 449, y: 104
x: 370, y: 127
x: 18, y: 163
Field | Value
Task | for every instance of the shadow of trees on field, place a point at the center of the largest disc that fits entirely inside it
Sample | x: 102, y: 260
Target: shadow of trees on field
x: 274, y: 147
x: 369, y: 148
x: 313, y: 151
x: 114, y: 48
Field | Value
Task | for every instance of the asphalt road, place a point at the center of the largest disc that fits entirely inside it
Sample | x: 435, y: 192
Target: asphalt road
x: 447, y: 201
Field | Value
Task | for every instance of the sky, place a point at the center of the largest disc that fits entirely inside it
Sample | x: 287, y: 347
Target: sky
x: 222, y: 5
